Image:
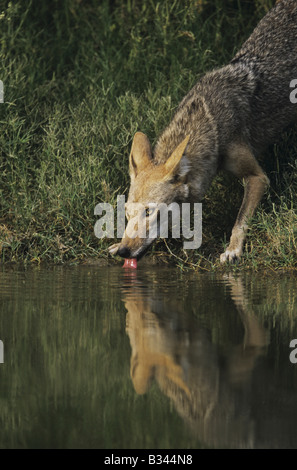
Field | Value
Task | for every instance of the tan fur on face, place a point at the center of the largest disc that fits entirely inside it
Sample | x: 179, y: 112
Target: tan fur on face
x: 151, y: 183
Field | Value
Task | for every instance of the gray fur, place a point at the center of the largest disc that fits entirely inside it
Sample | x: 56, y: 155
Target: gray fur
x: 245, y: 101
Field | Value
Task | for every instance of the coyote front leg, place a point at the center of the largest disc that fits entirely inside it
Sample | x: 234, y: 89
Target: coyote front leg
x: 241, y: 162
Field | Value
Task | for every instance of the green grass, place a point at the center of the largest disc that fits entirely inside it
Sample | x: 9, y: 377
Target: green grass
x: 80, y: 77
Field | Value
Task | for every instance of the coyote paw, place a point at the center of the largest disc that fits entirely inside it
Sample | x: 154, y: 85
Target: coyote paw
x: 230, y: 256
x: 113, y: 249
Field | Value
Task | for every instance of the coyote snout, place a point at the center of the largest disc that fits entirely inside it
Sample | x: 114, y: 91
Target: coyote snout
x: 224, y: 123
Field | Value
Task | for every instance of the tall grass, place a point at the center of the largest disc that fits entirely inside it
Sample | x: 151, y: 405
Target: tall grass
x: 80, y: 77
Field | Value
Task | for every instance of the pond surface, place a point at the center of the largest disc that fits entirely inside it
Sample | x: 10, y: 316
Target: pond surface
x: 108, y: 358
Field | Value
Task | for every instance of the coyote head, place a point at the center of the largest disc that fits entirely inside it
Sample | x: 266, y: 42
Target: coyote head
x: 151, y: 185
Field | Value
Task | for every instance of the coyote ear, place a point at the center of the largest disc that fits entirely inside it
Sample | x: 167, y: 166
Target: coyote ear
x: 176, y: 165
x: 141, y: 154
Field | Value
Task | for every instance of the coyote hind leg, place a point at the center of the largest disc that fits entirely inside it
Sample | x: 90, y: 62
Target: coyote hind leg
x: 241, y: 162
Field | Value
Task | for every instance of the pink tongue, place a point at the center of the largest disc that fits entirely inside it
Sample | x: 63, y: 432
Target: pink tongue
x: 130, y: 263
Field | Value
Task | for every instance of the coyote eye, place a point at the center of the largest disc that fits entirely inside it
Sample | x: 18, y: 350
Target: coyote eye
x: 149, y: 211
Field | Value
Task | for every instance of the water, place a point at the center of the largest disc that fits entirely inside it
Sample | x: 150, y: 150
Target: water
x: 101, y: 357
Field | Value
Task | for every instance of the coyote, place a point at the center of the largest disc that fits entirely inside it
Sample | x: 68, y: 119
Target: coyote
x: 224, y: 123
